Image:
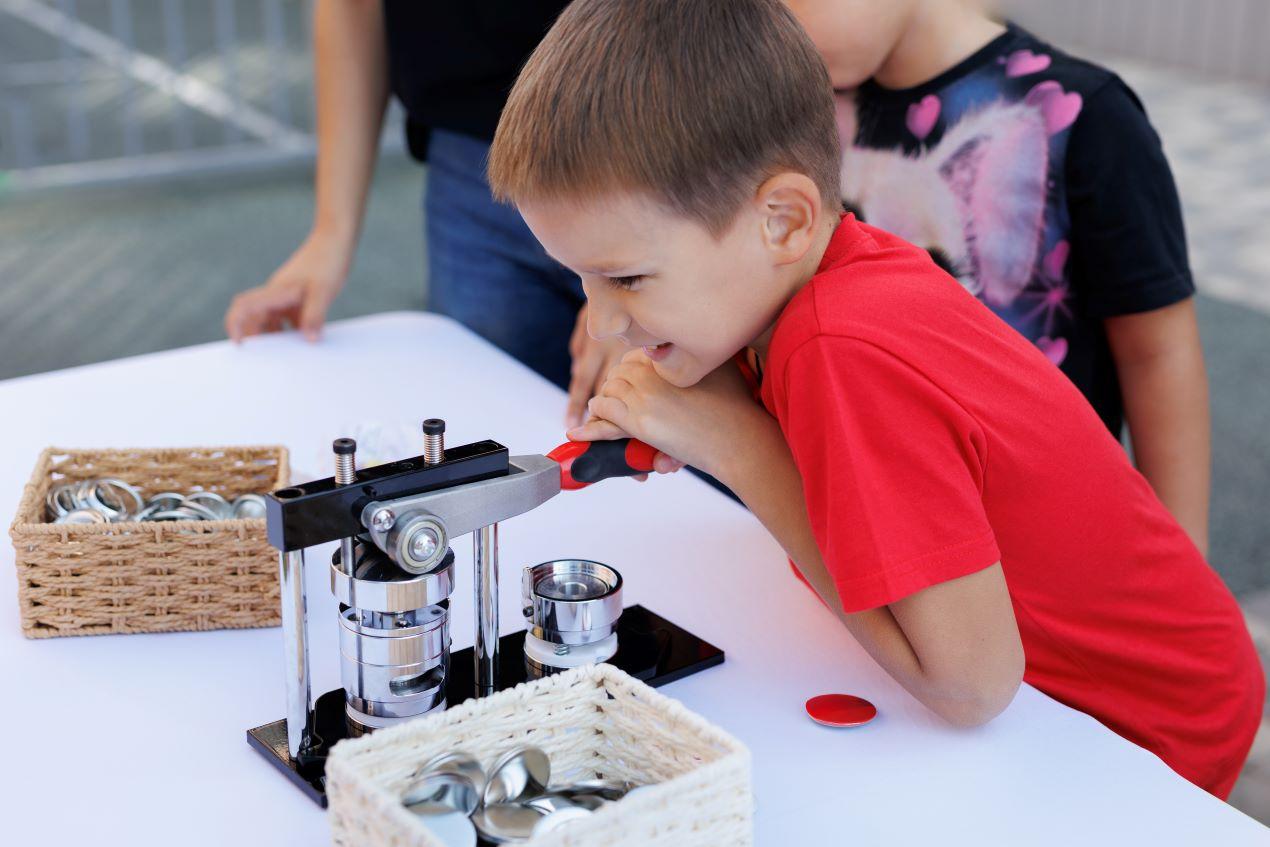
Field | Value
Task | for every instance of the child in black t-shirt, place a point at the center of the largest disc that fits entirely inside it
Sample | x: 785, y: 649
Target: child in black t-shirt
x: 1036, y: 180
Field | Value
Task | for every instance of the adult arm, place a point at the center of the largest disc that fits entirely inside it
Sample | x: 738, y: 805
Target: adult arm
x: 351, y: 72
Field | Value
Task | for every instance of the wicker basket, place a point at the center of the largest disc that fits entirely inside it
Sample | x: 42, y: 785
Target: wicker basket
x: 95, y: 579
x: 593, y: 721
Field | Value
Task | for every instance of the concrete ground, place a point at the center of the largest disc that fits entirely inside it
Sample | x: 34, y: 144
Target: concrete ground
x: 105, y: 273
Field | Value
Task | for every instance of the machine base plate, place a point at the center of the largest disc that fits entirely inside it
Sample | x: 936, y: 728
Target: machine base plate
x: 649, y: 648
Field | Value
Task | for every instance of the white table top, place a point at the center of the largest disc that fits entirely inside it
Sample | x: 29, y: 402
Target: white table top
x: 141, y: 738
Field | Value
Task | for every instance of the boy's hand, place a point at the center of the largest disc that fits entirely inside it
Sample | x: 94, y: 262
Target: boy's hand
x: 592, y: 361
x: 701, y: 426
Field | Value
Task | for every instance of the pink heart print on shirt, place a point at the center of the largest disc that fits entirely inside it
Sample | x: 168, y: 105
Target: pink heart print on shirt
x: 1055, y: 349
x: 1059, y: 107
x: 1056, y: 259
x: 922, y: 116
x: 1024, y: 62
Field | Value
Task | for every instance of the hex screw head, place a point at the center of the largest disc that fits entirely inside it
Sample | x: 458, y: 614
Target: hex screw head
x: 433, y: 441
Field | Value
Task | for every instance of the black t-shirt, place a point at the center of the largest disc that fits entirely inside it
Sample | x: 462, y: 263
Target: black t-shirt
x: 452, y: 64
x: 1036, y: 179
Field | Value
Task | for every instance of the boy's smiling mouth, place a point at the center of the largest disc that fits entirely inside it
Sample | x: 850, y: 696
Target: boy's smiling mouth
x: 658, y: 352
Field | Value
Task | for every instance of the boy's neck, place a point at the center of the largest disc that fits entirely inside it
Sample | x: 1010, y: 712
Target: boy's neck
x: 799, y: 276
x: 938, y: 35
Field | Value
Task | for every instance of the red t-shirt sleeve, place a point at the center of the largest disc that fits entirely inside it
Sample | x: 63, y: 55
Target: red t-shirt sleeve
x: 892, y: 470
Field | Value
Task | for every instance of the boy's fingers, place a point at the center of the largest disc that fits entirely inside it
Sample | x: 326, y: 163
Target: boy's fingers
x: 663, y: 463
x: 616, y: 387
x: 596, y: 430
x: 632, y: 373
x: 586, y: 369
x: 610, y: 408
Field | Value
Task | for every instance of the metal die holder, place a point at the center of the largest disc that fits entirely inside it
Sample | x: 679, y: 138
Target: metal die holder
x: 571, y: 608
x: 378, y: 586
x: 571, y: 601
x: 394, y: 636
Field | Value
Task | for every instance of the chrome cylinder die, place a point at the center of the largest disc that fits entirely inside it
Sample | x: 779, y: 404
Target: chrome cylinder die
x: 394, y: 636
x: 571, y: 608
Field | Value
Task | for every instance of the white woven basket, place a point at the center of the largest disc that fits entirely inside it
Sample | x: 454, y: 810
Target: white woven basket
x: 594, y: 722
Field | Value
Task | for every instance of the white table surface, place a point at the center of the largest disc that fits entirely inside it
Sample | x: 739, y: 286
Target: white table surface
x: 140, y: 738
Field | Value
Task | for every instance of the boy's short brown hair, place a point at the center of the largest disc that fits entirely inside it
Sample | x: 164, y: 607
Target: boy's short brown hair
x: 692, y: 101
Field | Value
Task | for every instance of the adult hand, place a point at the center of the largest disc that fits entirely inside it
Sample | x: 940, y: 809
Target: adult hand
x: 297, y: 295
x: 592, y: 361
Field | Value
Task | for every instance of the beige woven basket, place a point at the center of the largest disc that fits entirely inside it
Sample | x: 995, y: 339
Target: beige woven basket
x: 95, y: 579
x: 593, y: 722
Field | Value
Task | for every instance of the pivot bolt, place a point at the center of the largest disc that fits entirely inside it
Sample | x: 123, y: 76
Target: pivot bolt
x: 418, y: 542
x: 424, y: 544
x: 382, y: 520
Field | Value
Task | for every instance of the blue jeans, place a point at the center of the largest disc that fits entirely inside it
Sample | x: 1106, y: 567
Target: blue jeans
x: 486, y: 269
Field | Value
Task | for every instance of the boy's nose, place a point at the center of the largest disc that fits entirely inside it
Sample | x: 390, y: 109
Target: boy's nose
x: 604, y: 318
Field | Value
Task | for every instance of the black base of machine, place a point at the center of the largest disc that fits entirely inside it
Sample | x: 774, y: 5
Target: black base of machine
x: 649, y: 648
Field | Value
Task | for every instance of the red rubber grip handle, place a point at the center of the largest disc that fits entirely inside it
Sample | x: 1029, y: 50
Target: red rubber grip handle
x: 585, y: 462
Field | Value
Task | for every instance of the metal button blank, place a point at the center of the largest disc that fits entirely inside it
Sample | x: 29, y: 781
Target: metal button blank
x: 519, y: 773
x: 439, y: 793
x: 506, y: 823
x: 82, y: 516
x: 115, y: 501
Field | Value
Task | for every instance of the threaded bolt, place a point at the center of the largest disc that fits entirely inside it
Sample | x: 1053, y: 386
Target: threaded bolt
x: 345, y: 450
x: 433, y: 441
x: 562, y: 649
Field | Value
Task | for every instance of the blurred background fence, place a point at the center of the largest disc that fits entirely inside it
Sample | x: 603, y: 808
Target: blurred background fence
x: 96, y: 91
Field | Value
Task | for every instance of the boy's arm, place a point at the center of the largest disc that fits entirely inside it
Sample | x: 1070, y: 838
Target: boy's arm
x: 954, y: 646
x: 1161, y: 367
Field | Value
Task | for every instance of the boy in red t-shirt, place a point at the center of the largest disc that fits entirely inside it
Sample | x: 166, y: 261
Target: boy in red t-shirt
x: 944, y: 489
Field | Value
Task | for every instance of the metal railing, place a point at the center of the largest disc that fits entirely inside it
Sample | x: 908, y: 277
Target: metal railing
x: 110, y: 90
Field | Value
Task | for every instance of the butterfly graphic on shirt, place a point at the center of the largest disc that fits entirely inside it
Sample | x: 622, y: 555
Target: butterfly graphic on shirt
x: 975, y: 199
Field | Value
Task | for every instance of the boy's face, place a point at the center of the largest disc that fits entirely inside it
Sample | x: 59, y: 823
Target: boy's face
x: 664, y: 283
x: 854, y: 37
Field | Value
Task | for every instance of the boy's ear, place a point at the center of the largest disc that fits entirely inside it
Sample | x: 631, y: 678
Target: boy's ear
x: 791, y: 210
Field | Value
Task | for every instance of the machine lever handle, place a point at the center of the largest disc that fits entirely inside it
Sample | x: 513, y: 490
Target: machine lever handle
x: 584, y: 462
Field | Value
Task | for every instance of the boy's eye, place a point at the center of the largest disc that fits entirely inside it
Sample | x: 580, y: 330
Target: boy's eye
x: 626, y: 282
